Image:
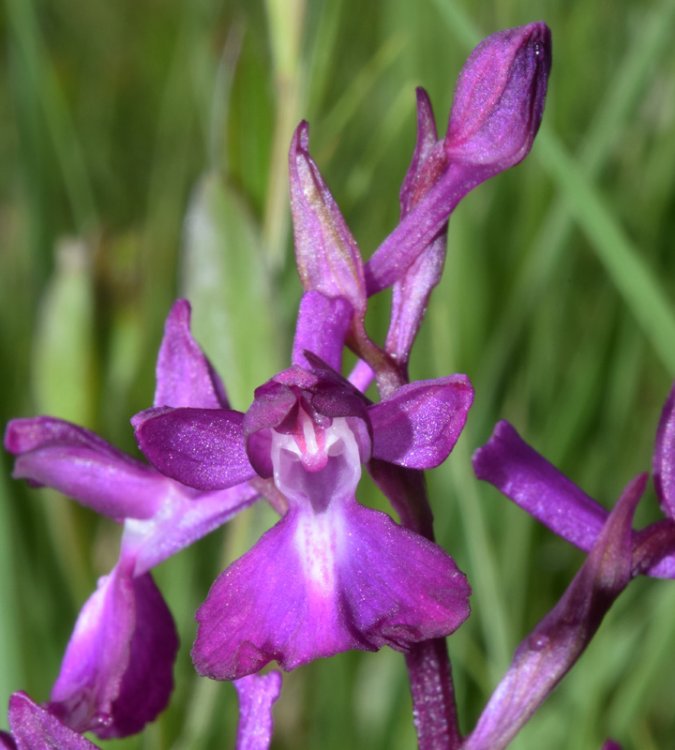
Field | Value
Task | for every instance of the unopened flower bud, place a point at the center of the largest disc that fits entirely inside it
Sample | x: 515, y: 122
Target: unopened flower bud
x: 328, y: 258
x: 499, y: 99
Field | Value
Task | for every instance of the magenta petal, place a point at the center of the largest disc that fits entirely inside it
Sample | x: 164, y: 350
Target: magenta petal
x: 410, y: 297
x: 664, y: 457
x: 116, y: 675
x: 186, y: 516
x: 361, y: 376
x: 328, y: 258
x: 147, y: 682
x: 185, y: 377
x: 410, y: 294
x: 398, y: 587
x: 97, y: 656
x: 527, y: 478
x: 665, y: 568
x: 259, y: 609
x: 256, y: 693
x: 418, y: 174
x: 203, y: 448
x: 419, y: 425
x: 316, y: 585
x: 83, y: 466
x: 35, y: 728
x: 321, y: 329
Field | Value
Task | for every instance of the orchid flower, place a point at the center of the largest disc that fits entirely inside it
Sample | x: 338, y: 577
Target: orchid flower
x: 616, y: 554
x: 553, y: 647
x: 331, y: 575
x: 527, y: 478
x: 117, y: 671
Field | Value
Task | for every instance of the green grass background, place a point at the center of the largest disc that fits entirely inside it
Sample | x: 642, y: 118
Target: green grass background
x: 143, y: 152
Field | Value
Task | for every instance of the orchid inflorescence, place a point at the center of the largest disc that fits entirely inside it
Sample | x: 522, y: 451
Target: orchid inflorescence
x: 331, y: 575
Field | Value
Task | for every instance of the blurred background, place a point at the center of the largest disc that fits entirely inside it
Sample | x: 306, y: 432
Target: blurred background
x: 143, y: 151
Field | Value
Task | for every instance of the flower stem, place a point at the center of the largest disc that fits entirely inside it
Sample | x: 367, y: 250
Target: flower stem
x: 428, y: 663
x: 433, y: 694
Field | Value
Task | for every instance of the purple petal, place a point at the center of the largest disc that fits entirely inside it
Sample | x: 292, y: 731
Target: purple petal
x: 322, y: 326
x: 97, y: 656
x: 654, y: 550
x: 410, y: 294
x: 116, y: 675
x: 328, y: 258
x: 611, y: 745
x: 499, y: 99
x: 257, y: 693
x: 185, y: 377
x: 83, y: 466
x: 6, y: 741
x: 148, y: 680
x: 419, y: 174
x: 361, y: 376
x: 665, y: 568
x: 556, y: 643
x: 185, y: 517
x: 527, y: 478
x: 318, y: 584
x: 35, y: 728
x: 419, y: 425
x: 272, y: 403
x: 203, y: 448
x: 664, y: 457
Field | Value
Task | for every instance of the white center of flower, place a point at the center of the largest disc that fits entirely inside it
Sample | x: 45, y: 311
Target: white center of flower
x: 318, y: 495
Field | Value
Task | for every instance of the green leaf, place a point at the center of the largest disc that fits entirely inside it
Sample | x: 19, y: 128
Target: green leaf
x: 64, y: 342
x: 224, y: 276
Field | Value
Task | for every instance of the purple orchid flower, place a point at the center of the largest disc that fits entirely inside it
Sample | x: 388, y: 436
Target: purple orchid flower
x: 117, y: 671
x: 527, y: 478
x: 331, y: 575
x: 35, y: 728
x: 557, y: 642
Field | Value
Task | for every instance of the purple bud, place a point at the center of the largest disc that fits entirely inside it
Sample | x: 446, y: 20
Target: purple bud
x: 498, y: 106
x: 327, y: 255
x: 499, y: 99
